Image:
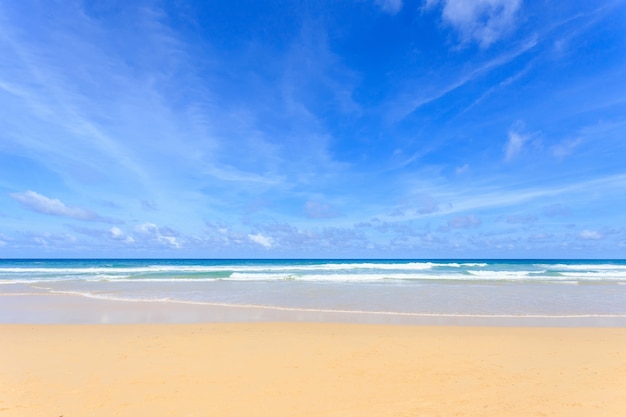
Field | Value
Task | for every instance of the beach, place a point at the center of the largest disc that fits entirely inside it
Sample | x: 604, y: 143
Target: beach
x: 171, y: 338
x: 379, y: 208
x: 310, y: 369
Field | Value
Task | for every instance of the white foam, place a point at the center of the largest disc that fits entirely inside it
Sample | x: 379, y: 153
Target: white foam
x: 597, y: 276
x: 372, y: 277
x: 332, y: 272
x: 584, y: 267
x: 463, y: 265
x: 224, y: 268
x: 505, y: 275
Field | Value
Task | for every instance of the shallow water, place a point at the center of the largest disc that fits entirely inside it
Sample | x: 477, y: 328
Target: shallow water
x: 483, y: 288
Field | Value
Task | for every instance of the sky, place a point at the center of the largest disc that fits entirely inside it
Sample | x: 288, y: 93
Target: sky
x: 313, y: 129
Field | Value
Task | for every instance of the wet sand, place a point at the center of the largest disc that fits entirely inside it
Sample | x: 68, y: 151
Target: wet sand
x: 47, y: 308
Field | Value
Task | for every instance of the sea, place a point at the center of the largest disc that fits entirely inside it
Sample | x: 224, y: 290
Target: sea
x: 404, y: 288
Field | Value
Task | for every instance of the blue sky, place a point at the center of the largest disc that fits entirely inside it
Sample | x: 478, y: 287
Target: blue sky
x: 385, y: 128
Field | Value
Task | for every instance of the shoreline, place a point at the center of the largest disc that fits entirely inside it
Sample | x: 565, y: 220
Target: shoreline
x: 69, y: 355
x: 310, y: 369
x: 46, y: 308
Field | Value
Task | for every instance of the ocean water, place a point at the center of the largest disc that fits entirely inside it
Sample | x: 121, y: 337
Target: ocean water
x: 446, y: 288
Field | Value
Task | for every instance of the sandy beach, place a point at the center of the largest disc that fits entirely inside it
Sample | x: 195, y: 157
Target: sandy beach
x: 310, y: 369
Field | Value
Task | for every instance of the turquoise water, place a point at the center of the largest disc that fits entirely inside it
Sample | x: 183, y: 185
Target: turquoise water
x: 480, y: 288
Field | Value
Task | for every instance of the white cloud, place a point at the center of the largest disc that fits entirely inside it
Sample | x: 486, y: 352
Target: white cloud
x: 265, y: 241
x: 223, y: 235
x: 483, y: 21
x: 590, y: 235
x: 171, y: 241
x: 55, y: 207
x: 148, y: 229
x: 163, y: 236
x: 327, y: 239
x: 117, y: 234
x: 515, y: 144
x: 390, y: 6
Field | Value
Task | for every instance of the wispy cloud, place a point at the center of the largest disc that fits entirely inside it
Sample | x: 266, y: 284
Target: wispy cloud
x: 81, y: 93
x: 590, y: 234
x: 482, y: 21
x: 505, y: 196
x: 464, y: 222
x: 149, y: 205
x: 318, y: 210
x: 408, y: 106
x: 566, y: 147
x: 390, y: 6
x: 232, y: 174
x: 501, y: 85
x: 356, y: 113
x: 420, y: 204
x: 460, y: 170
x: 515, y: 143
x: 55, y: 207
x: 556, y: 210
x: 521, y: 219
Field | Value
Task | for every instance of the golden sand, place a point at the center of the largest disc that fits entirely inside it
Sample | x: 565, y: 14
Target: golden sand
x: 305, y: 369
